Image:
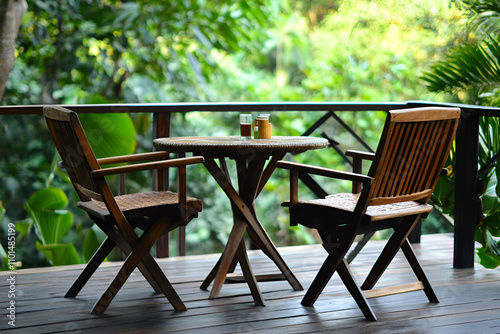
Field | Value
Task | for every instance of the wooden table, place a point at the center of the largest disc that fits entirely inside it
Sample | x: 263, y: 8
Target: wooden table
x: 253, y: 173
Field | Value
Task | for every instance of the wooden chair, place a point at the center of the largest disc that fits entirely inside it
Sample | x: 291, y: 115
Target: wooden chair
x: 414, y: 146
x: 154, y: 212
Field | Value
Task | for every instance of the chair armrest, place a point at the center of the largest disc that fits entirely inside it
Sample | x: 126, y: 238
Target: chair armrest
x: 296, y: 168
x: 134, y: 157
x: 327, y: 172
x: 147, y: 166
x: 160, y: 155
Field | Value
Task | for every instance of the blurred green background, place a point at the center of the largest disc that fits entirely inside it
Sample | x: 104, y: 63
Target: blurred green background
x: 73, y: 52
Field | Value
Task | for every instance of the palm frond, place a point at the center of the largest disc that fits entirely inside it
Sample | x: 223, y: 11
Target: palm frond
x: 484, y: 15
x: 471, y: 66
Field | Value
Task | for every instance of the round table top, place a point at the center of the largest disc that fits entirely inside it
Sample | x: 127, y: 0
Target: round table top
x: 226, y: 146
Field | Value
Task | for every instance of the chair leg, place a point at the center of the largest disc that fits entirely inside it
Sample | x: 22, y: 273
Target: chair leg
x: 94, y: 263
x: 159, y: 278
x: 419, y: 272
x: 390, y: 250
x: 140, y: 251
x: 128, y: 267
x: 120, y: 241
x: 125, y: 247
x: 349, y: 282
x: 321, y: 280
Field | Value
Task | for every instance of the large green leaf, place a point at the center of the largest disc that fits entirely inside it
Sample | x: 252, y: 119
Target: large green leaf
x: 109, y: 134
x: 489, y: 254
x: 492, y: 220
x: 49, y: 199
x: 47, y: 208
x: 23, y: 226
x: 488, y: 260
x: 444, y: 195
x: 90, y: 244
x: 59, y: 254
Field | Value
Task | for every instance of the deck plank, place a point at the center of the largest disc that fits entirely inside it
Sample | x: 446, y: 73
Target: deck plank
x: 469, y: 298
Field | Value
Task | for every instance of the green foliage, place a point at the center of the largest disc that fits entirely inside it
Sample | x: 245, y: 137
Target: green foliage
x: 109, y: 134
x: 471, y: 72
x: 472, y: 68
x: 372, y: 50
x: 59, y: 254
x: 358, y: 51
x: 114, y: 50
x: 482, y: 16
x: 27, y: 162
x: 489, y: 192
x: 48, y: 210
x: 245, y: 50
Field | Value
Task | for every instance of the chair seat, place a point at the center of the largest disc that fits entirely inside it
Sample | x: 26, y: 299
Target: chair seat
x: 347, y: 202
x: 140, y: 204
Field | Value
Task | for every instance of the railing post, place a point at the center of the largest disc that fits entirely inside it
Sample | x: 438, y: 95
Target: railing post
x: 466, y: 180
x: 161, y: 128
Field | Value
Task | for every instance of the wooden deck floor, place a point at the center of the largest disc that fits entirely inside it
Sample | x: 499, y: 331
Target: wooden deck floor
x: 469, y: 298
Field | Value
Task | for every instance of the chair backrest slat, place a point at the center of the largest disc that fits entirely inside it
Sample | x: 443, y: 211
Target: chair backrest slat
x: 74, y: 149
x: 445, y: 128
x: 411, y: 173
x: 413, y: 149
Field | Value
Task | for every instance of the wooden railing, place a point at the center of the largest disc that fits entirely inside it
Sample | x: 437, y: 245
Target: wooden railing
x: 467, y: 139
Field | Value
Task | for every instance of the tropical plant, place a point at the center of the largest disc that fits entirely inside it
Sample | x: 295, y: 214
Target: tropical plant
x: 51, y: 219
x: 471, y: 73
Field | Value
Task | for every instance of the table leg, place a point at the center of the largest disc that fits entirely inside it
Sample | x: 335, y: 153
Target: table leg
x: 235, y: 238
x: 271, y: 166
x: 211, y: 276
x: 250, y: 184
x: 249, y: 276
x: 270, y: 250
x: 255, y: 176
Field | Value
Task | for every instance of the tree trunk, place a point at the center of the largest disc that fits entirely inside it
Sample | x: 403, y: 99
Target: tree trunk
x: 11, y: 14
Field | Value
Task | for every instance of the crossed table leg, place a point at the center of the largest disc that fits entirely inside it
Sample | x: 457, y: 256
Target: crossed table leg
x: 251, y: 180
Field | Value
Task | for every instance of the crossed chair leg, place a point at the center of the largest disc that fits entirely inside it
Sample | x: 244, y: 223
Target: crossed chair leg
x: 336, y: 261
x: 137, y: 256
